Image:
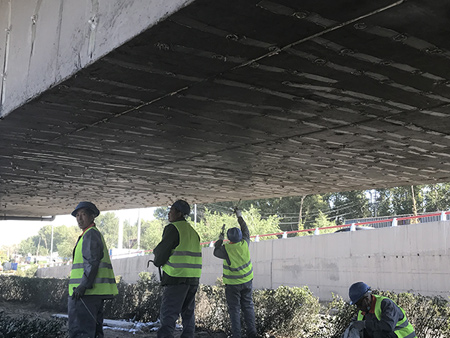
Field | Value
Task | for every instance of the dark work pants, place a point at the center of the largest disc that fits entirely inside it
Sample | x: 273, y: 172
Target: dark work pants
x: 176, y: 300
x: 81, y: 322
x: 240, y: 297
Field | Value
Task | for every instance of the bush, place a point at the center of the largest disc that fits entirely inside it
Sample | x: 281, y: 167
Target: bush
x: 48, y: 293
x: 286, y: 312
x: 140, y: 301
x: 28, y: 328
x: 211, y: 313
x: 283, y: 312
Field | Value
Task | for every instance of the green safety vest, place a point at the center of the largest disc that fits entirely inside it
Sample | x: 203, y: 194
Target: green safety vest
x: 241, y: 270
x: 104, y: 283
x: 403, y: 329
x: 186, y: 259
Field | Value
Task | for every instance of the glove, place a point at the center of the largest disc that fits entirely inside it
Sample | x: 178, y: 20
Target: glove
x: 78, y: 292
x: 359, y: 325
x: 238, y: 212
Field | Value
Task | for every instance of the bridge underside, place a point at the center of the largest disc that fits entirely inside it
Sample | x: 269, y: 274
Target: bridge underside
x: 228, y: 100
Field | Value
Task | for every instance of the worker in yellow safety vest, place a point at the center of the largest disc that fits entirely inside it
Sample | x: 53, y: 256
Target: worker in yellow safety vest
x: 91, y: 278
x: 238, y: 276
x: 378, y: 317
x: 179, y: 254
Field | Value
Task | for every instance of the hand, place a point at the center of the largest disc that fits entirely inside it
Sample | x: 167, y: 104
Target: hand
x: 238, y: 212
x: 78, y: 292
x: 359, y: 325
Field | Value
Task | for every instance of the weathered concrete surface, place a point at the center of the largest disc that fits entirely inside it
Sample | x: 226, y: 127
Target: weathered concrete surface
x: 227, y: 100
x: 412, y: 258
x: 43, y: 42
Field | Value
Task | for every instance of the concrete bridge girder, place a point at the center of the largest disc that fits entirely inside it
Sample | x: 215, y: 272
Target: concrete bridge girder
x: 43, y: 42
x: 226, y: 100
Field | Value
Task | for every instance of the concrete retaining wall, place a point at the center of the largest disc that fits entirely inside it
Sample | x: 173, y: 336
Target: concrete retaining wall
x: 412, y: 258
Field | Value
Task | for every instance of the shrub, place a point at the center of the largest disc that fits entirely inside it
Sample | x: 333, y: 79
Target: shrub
x: 286, y: 312
x: 140, y: 301
x: 48, y: 293
x: 283, y: 312
x: 337, y: 317
x: 211, y: 313
x: 24, y: 327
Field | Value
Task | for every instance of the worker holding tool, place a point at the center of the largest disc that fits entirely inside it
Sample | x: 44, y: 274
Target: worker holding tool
x: 179, y: 254
x: 237, y: 276
x: 378, y: 317
x: 91, y: 278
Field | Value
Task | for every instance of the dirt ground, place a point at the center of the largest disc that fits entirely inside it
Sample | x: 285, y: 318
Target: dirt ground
x: 18, y: 310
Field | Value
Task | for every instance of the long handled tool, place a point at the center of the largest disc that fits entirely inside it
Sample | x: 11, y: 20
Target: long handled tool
x: 89, y: 311
x: 159, y: 269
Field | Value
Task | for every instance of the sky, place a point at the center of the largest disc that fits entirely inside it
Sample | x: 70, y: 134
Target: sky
x: 13, y: 232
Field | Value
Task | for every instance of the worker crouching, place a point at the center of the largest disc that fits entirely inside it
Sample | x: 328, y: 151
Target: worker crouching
x: 378, y: 317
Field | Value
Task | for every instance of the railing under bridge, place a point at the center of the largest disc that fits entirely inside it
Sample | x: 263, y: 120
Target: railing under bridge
x: 376, y: 222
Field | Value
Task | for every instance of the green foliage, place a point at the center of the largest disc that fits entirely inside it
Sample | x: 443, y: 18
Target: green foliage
x: 161, y: 213
x: 322, y: 221
x: 48, y: 293
x: 140, y: 301
x: 286, y: 312
x: 210, y: 226
x: 338, y: 315
x: 24, y: 327
x: 283, y: 312
x: 348, y: 204
x: 64, y: 239
x: 29, y: 272
x: 108, y: 224
x: 27, y: 246
x: 151, y: 233
x: 211, y: 308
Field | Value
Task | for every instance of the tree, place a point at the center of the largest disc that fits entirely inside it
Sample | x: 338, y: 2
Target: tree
x: 436, y: 197
x: 348, y: 204
x: 161, y: 213
x: 151, y: 233
x: 108, y: 224
x: 27, y: 246
x: 66, y: 239
x: 322, y: 221
x: 210, y: 225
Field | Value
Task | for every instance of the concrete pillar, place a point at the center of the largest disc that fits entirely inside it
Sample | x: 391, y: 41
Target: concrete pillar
x: 394, y: 222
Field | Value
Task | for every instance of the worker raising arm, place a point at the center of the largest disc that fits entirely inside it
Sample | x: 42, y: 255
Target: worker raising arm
x: 237, y: 276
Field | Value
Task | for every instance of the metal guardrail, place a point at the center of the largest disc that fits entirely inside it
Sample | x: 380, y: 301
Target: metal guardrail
x: 376, y: 222
x: 383, y: 222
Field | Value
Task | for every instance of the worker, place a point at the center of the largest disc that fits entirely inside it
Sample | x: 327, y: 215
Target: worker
x: 378, y: 317
x: 180, y: 255
x: 237, y: 276
x: 91, y: 278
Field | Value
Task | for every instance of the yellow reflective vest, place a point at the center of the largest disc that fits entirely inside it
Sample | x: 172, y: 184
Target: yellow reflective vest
x: 403, y: 329
x: 186, y: 259
x: 105, y: 282
x: 241, y: 270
